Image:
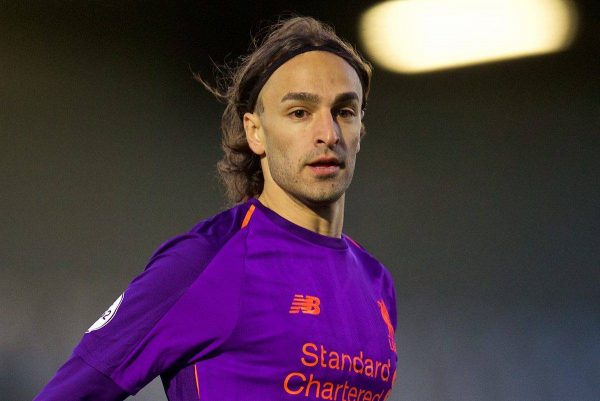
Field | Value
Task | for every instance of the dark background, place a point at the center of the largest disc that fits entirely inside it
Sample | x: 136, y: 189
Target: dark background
x: 477, y: 187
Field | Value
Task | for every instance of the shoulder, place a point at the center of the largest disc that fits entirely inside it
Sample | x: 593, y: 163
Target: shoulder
x: 204, y: 240
x: 173, y: 268
x: 375, y: 270
x: 182, y: 260
x: 365, y: 257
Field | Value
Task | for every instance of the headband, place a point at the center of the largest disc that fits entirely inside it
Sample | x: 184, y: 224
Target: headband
x: 264, y: 77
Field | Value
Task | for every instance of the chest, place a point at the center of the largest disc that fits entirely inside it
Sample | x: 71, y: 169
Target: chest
x: 317, y: 316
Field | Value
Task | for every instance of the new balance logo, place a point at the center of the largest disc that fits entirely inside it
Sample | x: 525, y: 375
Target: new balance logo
x: 305, y: 304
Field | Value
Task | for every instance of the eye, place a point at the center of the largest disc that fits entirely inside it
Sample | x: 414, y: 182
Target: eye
x: 345, y: 113
x: 299, y: 113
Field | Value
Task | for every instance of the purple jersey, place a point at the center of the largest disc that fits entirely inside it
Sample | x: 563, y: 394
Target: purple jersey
x: 246, y: 306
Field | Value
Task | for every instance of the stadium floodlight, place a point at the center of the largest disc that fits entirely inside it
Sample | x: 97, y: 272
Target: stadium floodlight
x: 412, y: 36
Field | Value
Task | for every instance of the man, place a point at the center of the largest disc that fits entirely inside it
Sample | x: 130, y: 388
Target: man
x: 267, y: 300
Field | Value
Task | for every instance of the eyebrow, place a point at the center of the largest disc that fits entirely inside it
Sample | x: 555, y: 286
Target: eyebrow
x: 302, y: 96
x: 345, y: 97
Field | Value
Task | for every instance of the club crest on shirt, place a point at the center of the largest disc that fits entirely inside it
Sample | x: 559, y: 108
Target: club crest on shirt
x: 107, y: 316
x: 386, y: 319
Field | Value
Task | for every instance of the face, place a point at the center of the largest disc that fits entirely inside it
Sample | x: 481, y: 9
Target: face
x: 308, y: 131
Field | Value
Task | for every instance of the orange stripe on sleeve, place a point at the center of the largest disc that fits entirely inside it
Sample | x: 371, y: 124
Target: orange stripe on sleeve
x: 248, y: 216
x: 197, y: 381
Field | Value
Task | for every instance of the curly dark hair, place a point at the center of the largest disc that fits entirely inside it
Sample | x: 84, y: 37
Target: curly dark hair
x: 240, y: 169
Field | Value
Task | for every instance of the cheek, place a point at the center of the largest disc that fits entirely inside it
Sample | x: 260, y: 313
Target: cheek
x: 280, y: 155
x: 283, y: 146
x: 276, y: 147
x: 354, y: 140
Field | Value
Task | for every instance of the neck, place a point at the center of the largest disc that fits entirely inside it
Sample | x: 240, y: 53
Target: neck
x: 326, y: 219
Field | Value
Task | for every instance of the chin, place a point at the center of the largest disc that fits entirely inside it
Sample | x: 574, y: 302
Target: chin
x: 321, y: 199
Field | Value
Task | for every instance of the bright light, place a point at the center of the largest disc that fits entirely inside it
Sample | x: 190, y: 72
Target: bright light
x: 413, y: 36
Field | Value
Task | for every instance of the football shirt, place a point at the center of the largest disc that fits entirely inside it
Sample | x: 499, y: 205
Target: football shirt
x: 246, y: 306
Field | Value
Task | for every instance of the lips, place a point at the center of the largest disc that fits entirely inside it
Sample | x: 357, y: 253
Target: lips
x: 325, y: 166
x: 325, y: 162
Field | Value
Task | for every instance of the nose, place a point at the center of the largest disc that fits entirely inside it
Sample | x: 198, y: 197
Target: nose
x: 327, y: 130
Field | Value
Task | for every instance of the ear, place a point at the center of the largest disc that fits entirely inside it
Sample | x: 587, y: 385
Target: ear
x: 252, y: 127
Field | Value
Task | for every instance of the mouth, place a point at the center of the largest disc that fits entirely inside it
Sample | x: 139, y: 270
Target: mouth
x: 325, y: 166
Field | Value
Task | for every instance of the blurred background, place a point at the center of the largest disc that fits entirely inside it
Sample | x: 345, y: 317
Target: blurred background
x: 478, y: 187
